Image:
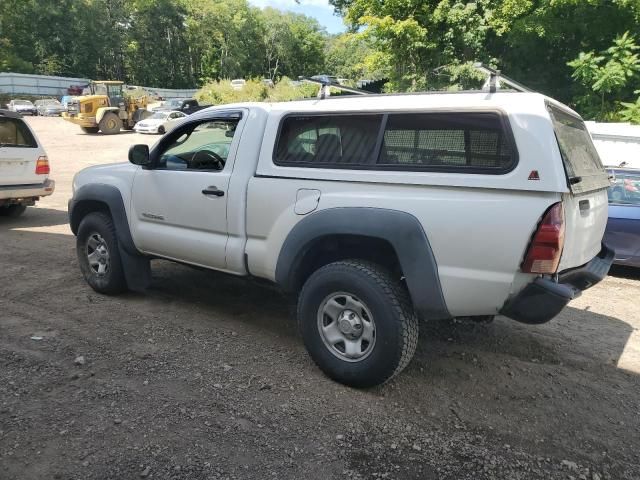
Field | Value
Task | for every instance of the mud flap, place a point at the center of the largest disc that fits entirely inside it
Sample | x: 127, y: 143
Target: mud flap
x: 137, y: 270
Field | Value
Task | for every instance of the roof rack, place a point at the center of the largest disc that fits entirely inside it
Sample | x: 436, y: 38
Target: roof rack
x: 496, y: 78
x: 325, y: 85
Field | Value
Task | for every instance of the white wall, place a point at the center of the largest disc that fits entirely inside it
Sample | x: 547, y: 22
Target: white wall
x: 616, y: 143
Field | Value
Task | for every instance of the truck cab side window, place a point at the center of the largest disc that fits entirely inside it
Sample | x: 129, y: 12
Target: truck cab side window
x: 201, y: 146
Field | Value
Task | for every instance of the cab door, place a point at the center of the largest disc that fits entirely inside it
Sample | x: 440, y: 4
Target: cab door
x: 179, y: 205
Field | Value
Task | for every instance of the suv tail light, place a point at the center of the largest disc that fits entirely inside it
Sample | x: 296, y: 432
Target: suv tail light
x: 543, y: 254
x: 42, y: 165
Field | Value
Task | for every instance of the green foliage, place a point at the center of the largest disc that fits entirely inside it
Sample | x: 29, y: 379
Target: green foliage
x: 631, y: 111
x: 220, y: 92
x: 607, y: 78
x: 162, y: 43
x: 573, y: 50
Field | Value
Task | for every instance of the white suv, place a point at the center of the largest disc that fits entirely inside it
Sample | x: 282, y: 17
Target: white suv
x: 24, y: 166
x: 371, y: 211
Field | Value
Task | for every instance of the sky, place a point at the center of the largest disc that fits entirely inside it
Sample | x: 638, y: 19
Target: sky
x: 318, y: 9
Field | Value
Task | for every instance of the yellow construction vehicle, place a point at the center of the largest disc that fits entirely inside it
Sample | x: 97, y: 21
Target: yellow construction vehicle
x: 105, y: 107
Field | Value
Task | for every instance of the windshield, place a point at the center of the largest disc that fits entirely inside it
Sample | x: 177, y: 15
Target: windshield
x: 582, y: 164
x: 173, y: 103
x: 22, y: 102
x: 158, y: 116
x: 51, y: 102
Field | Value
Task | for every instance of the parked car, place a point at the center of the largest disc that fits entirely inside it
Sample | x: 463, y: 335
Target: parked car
x: 23, y: 107
x: 184, y: 105
x: 623, y: 227
x: 267, y: 82
x: 49, y: 107
x: 238, y: 84
x: 24, y: 166
x: 370, y: 211
x: 159, y: 122
x: 65, y: 100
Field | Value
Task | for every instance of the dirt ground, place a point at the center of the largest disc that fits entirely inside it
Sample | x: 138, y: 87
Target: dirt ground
x: 205, y: 376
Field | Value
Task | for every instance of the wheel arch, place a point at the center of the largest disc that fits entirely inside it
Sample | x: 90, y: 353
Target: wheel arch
x: 108, y: 199
x: 388, y: 237
x: 103, y: 110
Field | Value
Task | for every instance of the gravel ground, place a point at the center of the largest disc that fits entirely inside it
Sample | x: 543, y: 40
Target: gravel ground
x: 205, y: 376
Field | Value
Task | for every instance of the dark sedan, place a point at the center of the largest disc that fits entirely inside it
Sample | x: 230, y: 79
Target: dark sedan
x: 623, y: 227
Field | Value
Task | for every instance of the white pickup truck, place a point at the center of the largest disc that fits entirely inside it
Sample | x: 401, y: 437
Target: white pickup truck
x: 371, y: 211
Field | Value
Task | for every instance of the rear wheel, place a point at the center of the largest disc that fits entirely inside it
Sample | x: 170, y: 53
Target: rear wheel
x: 90, y: 129
x: 12, y: 211
x: 110, y: 124
x: 357, y: 323
x: 98, y: 254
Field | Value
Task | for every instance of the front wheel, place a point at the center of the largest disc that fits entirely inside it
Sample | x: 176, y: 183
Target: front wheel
x: 98, y: 254
x: 357, y: 323
x: 161, y: 130
x: 110, y: 124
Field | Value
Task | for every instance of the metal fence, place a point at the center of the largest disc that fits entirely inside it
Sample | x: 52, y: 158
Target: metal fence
x: 43, y: 85
x: 24, y: 84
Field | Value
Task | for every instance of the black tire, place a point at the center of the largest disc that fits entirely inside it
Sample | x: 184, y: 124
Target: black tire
x: 110, y: 124
x: 13, y: 211
x: 161, y: 130
x: 99, y: 226
x: 90, y: 129
x: 395, y: 323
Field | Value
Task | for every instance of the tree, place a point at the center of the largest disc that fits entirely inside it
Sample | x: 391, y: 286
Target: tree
x: 293, y: 44
x: 607, y: 78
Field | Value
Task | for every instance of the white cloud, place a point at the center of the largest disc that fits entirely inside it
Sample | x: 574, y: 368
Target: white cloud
x: 290, y: 4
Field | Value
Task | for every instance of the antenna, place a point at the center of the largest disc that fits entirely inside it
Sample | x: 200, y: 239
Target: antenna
x: 496, y: 79
x: 326, y: 83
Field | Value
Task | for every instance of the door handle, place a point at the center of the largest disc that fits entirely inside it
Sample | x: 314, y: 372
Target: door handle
x: 584, y: 205
x: 211, y: 190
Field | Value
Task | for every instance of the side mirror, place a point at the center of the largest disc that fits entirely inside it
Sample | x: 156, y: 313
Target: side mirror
x: 139, y: 155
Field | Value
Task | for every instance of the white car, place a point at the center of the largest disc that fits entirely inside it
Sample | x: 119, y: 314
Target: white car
x: 24, y: 166
x: 238, y: 84
x: 24, y: 107
x: 370, y: 211
x: 159, y: 122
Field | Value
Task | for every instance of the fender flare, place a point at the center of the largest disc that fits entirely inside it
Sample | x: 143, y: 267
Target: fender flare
x: 401, y: 230
x: 137, y: 267
x: 102, y: 110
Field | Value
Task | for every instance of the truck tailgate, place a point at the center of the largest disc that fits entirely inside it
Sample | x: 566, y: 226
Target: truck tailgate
x: 586, y: 203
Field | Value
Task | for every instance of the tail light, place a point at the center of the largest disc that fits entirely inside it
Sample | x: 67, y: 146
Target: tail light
x: 543, y: 254
x: 42, y: 165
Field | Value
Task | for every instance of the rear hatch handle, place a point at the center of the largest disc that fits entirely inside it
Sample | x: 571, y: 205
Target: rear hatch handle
x: 584, y: 205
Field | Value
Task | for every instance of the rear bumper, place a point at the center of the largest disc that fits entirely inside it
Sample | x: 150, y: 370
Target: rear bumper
x: 543, y: 299
x: 26, y: 193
